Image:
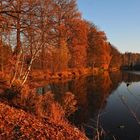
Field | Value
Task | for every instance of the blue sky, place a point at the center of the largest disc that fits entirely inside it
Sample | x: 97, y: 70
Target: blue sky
x: 120, y: 19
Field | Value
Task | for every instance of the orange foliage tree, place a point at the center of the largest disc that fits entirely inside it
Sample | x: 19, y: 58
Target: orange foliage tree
x: 78, y: 43
x: 99, y: 52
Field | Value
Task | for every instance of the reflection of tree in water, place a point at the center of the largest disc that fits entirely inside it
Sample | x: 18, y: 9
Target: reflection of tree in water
x: 129, y: 77
x: 79, y: 88
x: 116, y: 78
x: 88, y: 93
x: 97, y: 89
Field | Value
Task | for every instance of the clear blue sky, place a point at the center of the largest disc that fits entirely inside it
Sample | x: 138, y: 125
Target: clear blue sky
x: 120, y: 19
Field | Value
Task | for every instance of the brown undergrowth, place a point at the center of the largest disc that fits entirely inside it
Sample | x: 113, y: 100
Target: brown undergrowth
x: 18, y: 124
x: 24, y: 115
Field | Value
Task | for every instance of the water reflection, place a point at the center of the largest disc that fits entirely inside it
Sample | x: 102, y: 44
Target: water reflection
x: 101, y: 93
x: 115, y: 96
x: 122, y: 116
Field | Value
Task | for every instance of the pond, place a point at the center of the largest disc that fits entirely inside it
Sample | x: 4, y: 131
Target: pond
x: 109, y: 103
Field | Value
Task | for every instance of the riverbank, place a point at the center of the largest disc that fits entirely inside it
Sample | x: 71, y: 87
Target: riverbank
x: 24, y: 123
x: 67, y: 74
x: 43, y: 77
x: 18, y: 124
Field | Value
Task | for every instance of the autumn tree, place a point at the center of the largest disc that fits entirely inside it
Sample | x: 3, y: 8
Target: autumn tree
x: 65, y: 11
x: 50, y: 35
x: 116, y: 60
x: 78, y: 43
x: 99, y: 52
x: 23, y: 23
x: 13, y: 11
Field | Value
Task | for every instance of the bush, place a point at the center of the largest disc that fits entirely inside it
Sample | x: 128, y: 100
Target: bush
x: 69, y: 103
x: 49, y: 108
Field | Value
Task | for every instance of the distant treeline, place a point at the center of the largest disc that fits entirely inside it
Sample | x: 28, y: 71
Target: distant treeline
x: 131, y: 61
x: 52, y: 35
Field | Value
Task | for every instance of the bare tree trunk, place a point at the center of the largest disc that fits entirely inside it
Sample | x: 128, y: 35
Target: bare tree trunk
x: 18, y: 37
x: 22, y: 65
x: 27, y: 72
x: 18, y: 28
x: 1, y: 54
x: 42, y: 38
x: 1, y: 48
x: 16, y: 69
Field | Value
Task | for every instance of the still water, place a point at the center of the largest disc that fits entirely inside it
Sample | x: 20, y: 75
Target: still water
x: 109, y: 102
x: 111, y: 99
